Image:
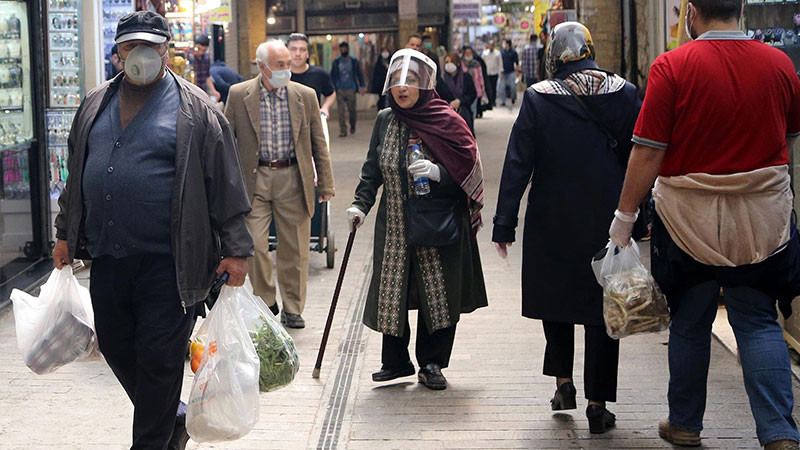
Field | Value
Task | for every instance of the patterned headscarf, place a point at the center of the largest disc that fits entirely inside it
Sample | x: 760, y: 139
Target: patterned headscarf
x: 569, y: 41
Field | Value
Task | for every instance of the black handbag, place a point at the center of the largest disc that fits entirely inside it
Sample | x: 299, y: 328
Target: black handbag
x: 431, y: 222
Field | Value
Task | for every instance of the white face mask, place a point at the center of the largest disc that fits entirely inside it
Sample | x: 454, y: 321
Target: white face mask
x: 450, y: 68
x: 385, y: 55
x: 143, y: 65
x: 280, y: 78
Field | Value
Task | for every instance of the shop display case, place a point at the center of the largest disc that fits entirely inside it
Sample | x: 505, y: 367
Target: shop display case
x: 112, y: 11
x: 63, y: 32
x: 16, y: 115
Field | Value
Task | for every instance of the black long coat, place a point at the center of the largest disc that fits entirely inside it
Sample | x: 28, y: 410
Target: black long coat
x: 575, y: 182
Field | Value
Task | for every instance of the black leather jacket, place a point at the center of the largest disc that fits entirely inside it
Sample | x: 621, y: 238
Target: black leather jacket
x: 209, y: 200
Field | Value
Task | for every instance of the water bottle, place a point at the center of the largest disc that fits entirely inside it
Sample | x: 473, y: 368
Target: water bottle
x: 421, y: 185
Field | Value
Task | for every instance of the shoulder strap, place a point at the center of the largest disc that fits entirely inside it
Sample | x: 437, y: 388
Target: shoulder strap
x: 612, y: 141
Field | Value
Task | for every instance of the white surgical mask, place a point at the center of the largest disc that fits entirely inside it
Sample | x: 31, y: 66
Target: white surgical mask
x: 143, y: 65
x: 450, y: 68
x: 468, y: 58
x: 385, y: 55
x: 280, y: 78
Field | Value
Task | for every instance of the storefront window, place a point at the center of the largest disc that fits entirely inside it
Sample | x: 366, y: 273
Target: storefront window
x: 16, y: 130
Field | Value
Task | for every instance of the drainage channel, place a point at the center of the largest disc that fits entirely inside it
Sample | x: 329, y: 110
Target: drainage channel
x: 349, y: 350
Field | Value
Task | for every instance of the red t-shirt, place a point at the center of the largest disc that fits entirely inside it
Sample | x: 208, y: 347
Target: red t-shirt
x: 721, y: 104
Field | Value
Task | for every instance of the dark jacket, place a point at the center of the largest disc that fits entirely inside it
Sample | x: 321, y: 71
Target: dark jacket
x: 379, y: 76
x: 358, y: 76
x: 209, y: 201
x: 467, y: 96
x: 461, y: 263
x: 223, y: 78
x: 575, y: 183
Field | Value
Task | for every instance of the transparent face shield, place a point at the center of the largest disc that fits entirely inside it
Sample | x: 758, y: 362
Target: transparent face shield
x: 412, y: 69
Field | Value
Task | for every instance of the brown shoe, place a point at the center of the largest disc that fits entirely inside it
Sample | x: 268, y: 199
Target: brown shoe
x: 784, y: 444
x: 677, y: 436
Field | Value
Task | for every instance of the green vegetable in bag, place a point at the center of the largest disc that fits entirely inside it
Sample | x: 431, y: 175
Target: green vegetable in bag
x: 277, y: 354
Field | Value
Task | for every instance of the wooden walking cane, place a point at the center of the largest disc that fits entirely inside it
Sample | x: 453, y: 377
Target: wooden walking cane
x: 336, y: 291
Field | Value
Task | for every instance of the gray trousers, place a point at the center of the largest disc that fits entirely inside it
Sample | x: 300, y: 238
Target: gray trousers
x: 346, y: 97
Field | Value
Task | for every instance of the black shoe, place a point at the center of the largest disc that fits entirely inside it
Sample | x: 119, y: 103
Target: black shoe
x: 600, y: 419
x: 275, y: 310
x: 390, y: 374
x: 179, y: 434
x: 292, y: 320
x: 343, y: 134
x: 564, y: 398
x: 431, y: 376
x: 513, y: 100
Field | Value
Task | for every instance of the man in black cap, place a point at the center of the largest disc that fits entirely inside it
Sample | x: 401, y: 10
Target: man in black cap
x: 155, y: 198
x: 201, y: 63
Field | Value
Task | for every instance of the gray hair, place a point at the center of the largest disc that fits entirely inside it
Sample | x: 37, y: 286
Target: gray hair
x: 264, y: 49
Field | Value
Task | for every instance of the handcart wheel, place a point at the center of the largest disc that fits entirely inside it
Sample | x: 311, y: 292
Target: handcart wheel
x: 330, y: 249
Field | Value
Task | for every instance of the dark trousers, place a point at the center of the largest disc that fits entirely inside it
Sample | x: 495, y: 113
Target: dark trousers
x: 346, y: 98
x: 599, y: 364
x: 143, y: 332
x: 491, y: 88
x: 433, y: 347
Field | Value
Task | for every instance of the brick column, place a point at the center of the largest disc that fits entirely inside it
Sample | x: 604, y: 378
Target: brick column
x: 251, y: 23
x: 602, y: 17
x: 407, y: 20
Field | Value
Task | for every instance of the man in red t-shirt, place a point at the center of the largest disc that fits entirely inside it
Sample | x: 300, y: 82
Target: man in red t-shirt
x: 714, y: 134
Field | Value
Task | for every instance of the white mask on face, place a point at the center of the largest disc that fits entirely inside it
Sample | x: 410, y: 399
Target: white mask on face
x: 143, y: 65
x: 450, y: 68
x: 385, y: 55
x: 280, y: 78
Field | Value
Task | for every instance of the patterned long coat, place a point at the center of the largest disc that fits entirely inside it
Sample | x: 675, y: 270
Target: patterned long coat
x: 460, y: 262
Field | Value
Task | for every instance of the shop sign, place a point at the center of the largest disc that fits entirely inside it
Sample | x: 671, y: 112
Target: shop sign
x: 222, y: 13
x: 500, y: 19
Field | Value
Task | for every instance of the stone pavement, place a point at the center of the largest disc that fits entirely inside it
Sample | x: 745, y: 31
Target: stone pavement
x: 497, y: 397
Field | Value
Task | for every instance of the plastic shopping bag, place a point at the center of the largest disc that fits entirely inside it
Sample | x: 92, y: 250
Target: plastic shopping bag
x: 223, y: 403
x: 57, y: 327
x: 275, y: 347
x: 632, y: 301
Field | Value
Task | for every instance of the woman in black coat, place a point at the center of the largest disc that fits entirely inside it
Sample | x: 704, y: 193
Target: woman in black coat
x: 576, y: 179
x: 462, y: 86
x: 379, y: 77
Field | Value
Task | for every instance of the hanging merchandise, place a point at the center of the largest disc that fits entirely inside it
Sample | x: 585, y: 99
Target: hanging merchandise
x: 15, y: 87
x: 58, y: 126
x: 113, y: 10
x: 64, y: 53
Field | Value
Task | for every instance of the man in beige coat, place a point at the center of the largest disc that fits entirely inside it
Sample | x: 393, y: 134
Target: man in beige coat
x: 280, y: 140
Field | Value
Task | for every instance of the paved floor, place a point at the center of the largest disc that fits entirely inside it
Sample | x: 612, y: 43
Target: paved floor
x: 497, y: 396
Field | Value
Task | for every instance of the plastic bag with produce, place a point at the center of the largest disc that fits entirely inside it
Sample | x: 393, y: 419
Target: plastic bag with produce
x: 224, y: 401
x: 632, y: 301
x: 57, y: 327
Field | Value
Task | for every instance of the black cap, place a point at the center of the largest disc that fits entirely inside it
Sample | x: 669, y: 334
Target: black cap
x: 143, y: 26
x: 202, y: 40
x: 344, y: 44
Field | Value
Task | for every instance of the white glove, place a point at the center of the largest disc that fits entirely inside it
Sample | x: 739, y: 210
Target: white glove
x: 355, y: 217
x: 622, y: 227
x: 425, y: 168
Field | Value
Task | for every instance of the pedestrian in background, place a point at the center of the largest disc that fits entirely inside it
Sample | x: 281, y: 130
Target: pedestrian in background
x: 279, y: 153
x: 201, y: 64
x: 348, y: 80
x: 494, y: 65
x: 441, y: 282
x: 483, y: 102
x: 314, y: 77
x: 223, y: 78
x: 508, y: 78
x: 575, y: 176
x: 473, y: 67
x: 114, y: 65
x: 462, y: 86
x: 530, y: 61
x: 155, y: 199
x: 720, y: 115
x: 379, y: 77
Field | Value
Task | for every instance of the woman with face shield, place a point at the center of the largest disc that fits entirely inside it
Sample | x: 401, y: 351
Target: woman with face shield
x: 571, y: 143
x: 434, y: 266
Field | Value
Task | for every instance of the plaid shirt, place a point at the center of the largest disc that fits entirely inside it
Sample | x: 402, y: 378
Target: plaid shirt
x: 276, y: 126
x: 201, y: 66
x: 530, y: 63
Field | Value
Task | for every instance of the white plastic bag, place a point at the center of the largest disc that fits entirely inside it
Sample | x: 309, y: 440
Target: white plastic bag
x: 223, y: 403
x: 632, y: 301
x: 57, y: 327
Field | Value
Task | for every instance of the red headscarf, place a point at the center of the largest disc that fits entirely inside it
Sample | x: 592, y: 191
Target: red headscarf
x: 450, y: 141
